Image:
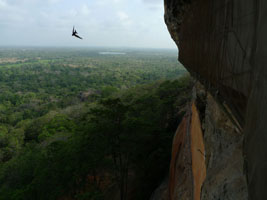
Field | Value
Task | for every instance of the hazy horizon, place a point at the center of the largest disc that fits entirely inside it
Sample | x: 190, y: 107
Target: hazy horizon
x: 87, y: 47
x: 102, y: 24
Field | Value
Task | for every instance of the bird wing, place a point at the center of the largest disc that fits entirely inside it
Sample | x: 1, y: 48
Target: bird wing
x: 78, y: 36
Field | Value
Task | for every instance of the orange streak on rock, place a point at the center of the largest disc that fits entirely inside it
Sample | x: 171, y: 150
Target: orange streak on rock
x: 187, y: 168
x: 177, y: 151
x: 198, y: 153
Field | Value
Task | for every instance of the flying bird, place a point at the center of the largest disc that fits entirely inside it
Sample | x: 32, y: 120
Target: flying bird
x: 74, y: 33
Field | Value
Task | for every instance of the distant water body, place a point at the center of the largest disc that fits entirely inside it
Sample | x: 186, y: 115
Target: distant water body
x: 111, y: 53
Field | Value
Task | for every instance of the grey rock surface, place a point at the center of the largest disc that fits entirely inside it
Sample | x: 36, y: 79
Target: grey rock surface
x: 224, y: 156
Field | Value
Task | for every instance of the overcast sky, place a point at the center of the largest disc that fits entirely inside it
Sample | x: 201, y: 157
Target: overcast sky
x: 116, y: 23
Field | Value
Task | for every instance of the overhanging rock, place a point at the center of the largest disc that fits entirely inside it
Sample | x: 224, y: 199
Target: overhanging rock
x: 223, y: 44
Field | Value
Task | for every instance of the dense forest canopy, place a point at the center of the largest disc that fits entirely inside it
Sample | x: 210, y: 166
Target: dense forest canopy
x: 85, y: 123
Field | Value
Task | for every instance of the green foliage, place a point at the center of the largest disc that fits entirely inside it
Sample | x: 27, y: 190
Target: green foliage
x: 59, y: 124
x: 77, y: 124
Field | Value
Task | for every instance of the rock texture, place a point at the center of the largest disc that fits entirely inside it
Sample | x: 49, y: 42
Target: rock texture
x: 187, y: 169
x: 180, y: 179
x: 224, y: 157
x: 223, y: 44
x: 198, y: 153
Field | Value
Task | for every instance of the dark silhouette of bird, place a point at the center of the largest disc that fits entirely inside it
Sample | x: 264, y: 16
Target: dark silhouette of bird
x: 74, y: 33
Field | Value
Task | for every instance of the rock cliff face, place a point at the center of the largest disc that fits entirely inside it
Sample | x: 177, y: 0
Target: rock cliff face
x: 223, y: 44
